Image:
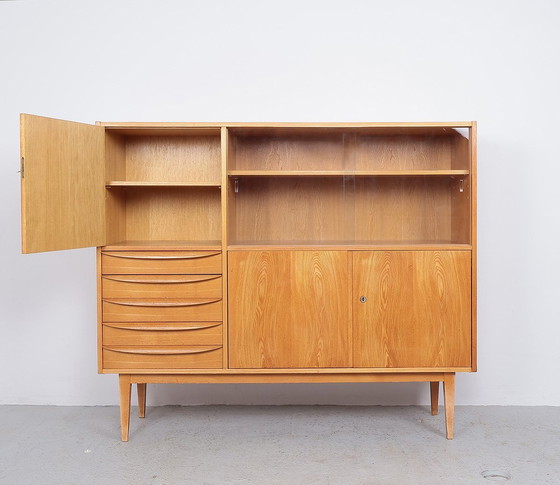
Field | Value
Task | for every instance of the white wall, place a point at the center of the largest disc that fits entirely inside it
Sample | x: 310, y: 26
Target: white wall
x: 319, y: 60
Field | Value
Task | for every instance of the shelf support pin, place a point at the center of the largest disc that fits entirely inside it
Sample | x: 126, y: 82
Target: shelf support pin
x: 461, y: 186
x: 236, y: 185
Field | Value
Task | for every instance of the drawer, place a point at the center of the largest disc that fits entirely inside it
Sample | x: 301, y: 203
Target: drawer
x: 162, y: 310
x: 161, y: 262
x: 202, y: 357
x: 162, y: 286
x: 168, y: 333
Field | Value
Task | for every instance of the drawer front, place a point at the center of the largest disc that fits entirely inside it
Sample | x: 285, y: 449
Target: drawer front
x: 161, y: 262
x: 162, y: 286
x: 162, y: 310
x: 168, y: 333
x: 203, y: 357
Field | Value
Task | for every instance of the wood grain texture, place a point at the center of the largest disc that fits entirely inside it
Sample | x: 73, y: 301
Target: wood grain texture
x: 406, y: 209
x: 296, y: 372
x: 162, y: 286
x: 434, y: 397
x: 63, y: 197
x: 409, y: 245
x: 288, y: 152
x: 99, y: 301
x: 288, y: 309
x: 474, y: 242
x: 364, y: 210
x: 190, y: 159
x: 162, y: 310
x: 449, y: 398
x: 225, y: 145
x: 417, y: 312
x: 161, y: 262
x: 194, y: 357
x: 347, y: 173
x: 172, y: 213
x: 176, y: 245
x: 221, y: 377
x: 405, y: 152
x: 124, y: 392
x: 279, y: 209
x: 423, y: 127
x: 136, y: 183
x: 115, y: 200
x: 141, y: 388
x: 167, y: 333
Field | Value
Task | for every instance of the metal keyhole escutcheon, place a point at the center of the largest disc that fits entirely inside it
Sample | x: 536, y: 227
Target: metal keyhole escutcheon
x: 363, y: 299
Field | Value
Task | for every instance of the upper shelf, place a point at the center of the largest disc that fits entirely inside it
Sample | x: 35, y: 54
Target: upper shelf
x: 132, y: 183
x: 342, y: 173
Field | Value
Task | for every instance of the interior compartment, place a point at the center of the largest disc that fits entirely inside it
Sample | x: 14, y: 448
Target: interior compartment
x: 164, y: 214
x: 345, y: 149
x: 350, y: 210
x: 173, y: 156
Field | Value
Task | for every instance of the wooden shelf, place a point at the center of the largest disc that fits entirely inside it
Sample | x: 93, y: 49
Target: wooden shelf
x: 133, y: 183
x: 164, y: 245
x: 343, y: 173
x: 350, y: 245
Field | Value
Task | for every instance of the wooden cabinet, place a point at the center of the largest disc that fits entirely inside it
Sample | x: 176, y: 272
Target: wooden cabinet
x: 266, y: 252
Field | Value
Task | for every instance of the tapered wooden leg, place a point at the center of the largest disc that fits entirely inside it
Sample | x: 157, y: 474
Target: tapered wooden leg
x: 141, y: 400
x: 434, y: 395
x: 449, y: 398
x: 124, y: 387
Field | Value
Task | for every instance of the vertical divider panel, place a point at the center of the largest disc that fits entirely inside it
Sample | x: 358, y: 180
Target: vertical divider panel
x: 224, y: 193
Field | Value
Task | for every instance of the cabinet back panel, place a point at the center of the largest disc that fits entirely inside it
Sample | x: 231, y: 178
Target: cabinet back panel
x: 172, y: 213
x: 192, y: 159
x: 280, y: 209
x: 402, y: 152
x: 349, y: 151
x: 407, y: 209
x: 289, y: 152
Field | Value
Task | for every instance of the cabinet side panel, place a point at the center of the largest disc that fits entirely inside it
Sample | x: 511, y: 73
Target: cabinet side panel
x: 288, y: 309
x: 474, y: 243
x: 63, y: 186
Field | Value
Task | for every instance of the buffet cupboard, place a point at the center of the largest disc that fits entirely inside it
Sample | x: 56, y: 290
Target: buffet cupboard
x: 266, y: 252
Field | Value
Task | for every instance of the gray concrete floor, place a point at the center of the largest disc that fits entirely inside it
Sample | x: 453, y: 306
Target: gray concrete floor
x: 278, y: 445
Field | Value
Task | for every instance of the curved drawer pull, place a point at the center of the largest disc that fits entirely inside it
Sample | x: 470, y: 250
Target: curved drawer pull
x: 161, y: 328
x: 163, y: 303
x: 130, y: 256
x: 124, y: 279
x: 163, y: 351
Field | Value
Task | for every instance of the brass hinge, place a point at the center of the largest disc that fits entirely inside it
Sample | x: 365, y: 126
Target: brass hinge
x: 22, y: 167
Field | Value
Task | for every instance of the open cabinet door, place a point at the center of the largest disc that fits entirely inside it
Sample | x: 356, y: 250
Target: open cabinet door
x: 62, y: 184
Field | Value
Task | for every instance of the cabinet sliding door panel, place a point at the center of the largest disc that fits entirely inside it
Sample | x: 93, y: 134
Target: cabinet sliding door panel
x: 412, y: 308
x: 289, y: 309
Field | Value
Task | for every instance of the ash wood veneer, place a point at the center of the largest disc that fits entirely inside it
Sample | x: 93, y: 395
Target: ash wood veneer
x: 266, y: 252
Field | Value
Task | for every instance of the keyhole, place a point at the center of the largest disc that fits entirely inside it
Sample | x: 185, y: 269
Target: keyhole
x: 363, y: 299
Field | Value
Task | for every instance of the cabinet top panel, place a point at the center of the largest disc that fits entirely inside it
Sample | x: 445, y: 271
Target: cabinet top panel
x: 240, y: 127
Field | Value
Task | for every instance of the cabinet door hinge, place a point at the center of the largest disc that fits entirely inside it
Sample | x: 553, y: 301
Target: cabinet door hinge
x: 22, y: 167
